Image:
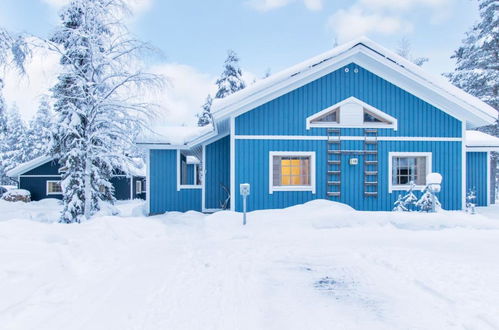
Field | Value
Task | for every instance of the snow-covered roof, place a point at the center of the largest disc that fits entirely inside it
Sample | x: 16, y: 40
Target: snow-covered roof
x: 362, y: 51
x: 481, y: 140
x: 173, y: 135
x: 28, y: 166
x: 135, y: 166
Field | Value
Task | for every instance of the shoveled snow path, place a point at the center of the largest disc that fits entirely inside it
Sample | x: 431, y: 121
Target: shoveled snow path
x: 190, y: 271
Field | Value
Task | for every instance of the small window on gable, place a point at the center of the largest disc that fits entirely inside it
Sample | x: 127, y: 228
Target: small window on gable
x: 370, y: 117
x: 330, y: 117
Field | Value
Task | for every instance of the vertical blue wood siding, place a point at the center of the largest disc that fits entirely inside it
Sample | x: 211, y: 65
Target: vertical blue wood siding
x: 163, y: 185
x: 476, y: 175
x: 252, y: 159
x: 286, y: 115
x: 217, y: 172
x: 49, y: 168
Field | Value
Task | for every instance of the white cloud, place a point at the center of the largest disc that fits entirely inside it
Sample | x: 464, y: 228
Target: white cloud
x: 354, y: 22
x: 25, y: 91
x: 267, y: 5
x: 184, y: 94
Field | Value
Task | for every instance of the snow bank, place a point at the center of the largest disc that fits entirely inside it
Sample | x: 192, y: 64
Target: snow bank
x: 321, y: 266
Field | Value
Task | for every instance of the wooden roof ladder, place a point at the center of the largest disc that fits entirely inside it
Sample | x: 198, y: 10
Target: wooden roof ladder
x: 333, y: 165
x: 371, y: 165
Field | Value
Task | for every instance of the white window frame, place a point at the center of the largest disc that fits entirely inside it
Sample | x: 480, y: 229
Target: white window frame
x: 312, y: 185
x: 184, y: 186
x: 47, y: 187
x: 138, y: 184
x: 341, y: 123
x: 391, y: 186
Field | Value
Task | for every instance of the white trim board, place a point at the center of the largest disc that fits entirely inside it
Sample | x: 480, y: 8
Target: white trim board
x: 232, y: 156
x: 348, y: 138
x: 313, y: 169
x: 429, y: 165
x: 40, y: 176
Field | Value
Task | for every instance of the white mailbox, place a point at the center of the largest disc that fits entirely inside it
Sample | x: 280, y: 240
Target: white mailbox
x: 244, y: 189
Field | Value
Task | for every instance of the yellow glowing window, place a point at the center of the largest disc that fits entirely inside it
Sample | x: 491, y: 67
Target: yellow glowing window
x: 291, y: 171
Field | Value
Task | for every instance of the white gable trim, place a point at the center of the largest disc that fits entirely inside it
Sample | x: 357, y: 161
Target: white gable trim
x: 379, y: 61
x: 352, y: 99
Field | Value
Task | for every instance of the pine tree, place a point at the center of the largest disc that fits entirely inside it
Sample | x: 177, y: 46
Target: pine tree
x: 477, y: 69
x: 97, y: 104
x: 13, y: 53
x: 40, y: 130
x: 16, y: 148
x: 231, y: 79
x: 3, y: 136
x: 477, y: 65
x: 205, y: 117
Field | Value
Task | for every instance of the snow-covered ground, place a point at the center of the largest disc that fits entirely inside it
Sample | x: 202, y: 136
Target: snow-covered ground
x: 316, y: 266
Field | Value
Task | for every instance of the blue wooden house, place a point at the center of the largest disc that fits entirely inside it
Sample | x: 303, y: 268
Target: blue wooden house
x: 42, y: 178
x: 355, y: 125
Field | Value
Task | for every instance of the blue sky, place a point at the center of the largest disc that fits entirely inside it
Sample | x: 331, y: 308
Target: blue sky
x: 267, y: 34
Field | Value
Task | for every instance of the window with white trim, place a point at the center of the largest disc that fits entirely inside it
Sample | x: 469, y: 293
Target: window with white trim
x: 292, y: 171
x: 138, y: 186
x: 54, y: 188
x: 407, y: 168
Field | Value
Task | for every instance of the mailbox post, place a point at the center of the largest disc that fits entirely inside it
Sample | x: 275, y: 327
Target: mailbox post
x: 244, y: 190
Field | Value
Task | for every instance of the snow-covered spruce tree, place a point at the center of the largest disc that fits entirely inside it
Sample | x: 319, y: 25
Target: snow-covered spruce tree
x: 3, y: 136
x: 429, y: 201
x: 97, y: 101
x: 406, y: 202
x: 16, y: 147
x: 13, y: 53
x: 40, y: 130
x: 477, y: 69
x: 477, y: 64
x: 204, y: 118
x: 231, y: 79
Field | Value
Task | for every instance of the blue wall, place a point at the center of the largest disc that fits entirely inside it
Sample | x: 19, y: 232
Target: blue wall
x: 476, y: 176
x: 190, y: 173
x: 286, y: 115
x: 217, y: 172
x: 38, y: 187
x: 163, y: 185
x: 252, y: 159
